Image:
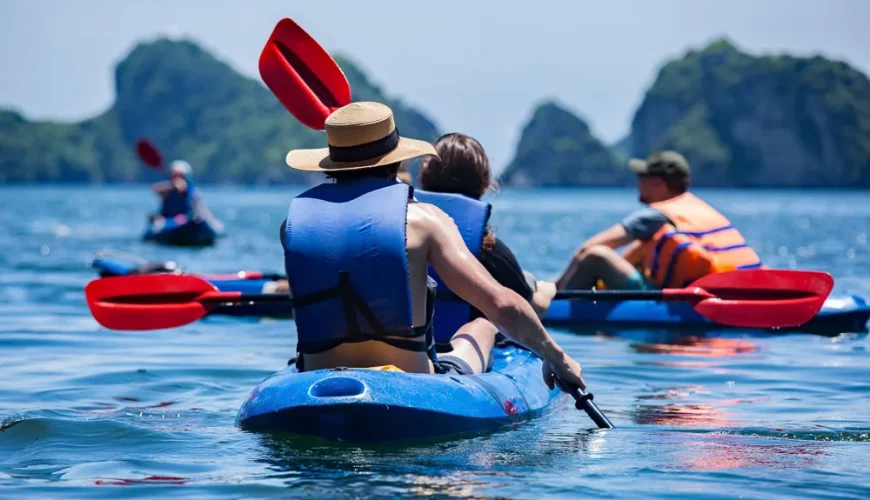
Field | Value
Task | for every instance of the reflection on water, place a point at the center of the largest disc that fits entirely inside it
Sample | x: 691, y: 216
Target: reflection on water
x: 690, y: 415
x: 697, y: 346
x: 715, y: 452
x: 708, y: 411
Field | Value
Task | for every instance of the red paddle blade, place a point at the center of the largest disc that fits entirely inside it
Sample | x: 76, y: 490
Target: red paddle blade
x: 149, y: 154
x: 763, y: 298
x: 147, y: 301
x: 302, y: 75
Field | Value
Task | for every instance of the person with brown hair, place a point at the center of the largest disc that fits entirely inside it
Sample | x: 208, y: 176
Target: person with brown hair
x: 357, y: 251
x: 455, y: 180
x: 676, y: 240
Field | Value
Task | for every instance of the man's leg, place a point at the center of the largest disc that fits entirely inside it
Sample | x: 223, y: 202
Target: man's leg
x: 605, y: 264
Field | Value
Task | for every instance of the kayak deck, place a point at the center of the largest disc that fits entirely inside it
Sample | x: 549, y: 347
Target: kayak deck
x: 840, y: 314
x: 371, y: 406
x: 191, y: 233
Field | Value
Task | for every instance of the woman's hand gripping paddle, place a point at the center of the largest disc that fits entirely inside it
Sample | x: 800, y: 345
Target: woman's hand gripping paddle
x: 302, y: 75
x: 758, y: 298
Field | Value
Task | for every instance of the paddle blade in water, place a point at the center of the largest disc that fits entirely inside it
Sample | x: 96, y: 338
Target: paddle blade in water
x: 763, y: 298
x: 302, y: 75
x: 148, y: 301
x: 149, y: 154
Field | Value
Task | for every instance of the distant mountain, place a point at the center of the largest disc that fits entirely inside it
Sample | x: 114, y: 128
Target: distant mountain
x: 557, y: 148
x: 622, y: 148
x: 192, y: 106
x: 743, y: 120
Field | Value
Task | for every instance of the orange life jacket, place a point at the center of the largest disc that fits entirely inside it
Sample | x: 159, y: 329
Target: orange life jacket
x: 698, y: 241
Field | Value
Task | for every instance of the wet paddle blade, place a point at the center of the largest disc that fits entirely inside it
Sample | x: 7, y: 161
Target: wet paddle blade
x: 149, y: 154
x: 763, y: 298
x: 148, y: 301
x: 302, y: 75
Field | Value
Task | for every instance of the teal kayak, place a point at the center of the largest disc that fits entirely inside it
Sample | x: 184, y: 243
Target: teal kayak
x: 374, y: 406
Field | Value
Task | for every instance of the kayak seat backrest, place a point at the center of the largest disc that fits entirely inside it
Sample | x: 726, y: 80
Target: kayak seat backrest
x: 471, y: 217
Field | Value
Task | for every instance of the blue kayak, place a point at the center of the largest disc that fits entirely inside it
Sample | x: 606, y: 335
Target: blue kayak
x: 373, y: 406
x: 193, y: 233
x: 844, y: 313
x: 840, y: 314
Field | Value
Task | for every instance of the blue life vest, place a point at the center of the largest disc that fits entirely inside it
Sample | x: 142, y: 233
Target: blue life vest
x: 347, y: 265
x: 471, y: 217
x: 177, y: 203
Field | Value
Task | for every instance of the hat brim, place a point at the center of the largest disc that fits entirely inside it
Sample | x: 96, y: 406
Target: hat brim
x: 317, y: 160
x: 639, y: 166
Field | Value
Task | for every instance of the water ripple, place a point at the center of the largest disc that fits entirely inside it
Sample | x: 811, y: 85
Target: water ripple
x: 91, y: 413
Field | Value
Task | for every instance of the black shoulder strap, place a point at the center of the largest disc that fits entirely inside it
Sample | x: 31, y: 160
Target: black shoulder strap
x: 352, y: 304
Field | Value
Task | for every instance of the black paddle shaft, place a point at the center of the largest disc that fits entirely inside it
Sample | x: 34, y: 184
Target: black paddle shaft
x: 610, y: 295
x: 583, y: 401
x: 280, y: 298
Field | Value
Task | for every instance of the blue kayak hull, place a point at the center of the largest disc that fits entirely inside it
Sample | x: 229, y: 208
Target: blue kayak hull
x: 845, y: 313
x: 371, y: 406
x: 838, y: 315
x: 197, y: 233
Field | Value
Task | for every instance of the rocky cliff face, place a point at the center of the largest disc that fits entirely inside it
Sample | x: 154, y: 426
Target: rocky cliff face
x: 191, y: 106
x: 759, y: 121
x: 557, y: 148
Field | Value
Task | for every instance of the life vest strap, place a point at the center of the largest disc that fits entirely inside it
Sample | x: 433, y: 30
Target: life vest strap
x: 673, y: 261
x: 698, y: 234
x: 353, y: 303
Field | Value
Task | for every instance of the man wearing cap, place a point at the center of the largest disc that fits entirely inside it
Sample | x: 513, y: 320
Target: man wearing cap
x: 357, y: 251
x: 180, y: 200
x: 676, y: 240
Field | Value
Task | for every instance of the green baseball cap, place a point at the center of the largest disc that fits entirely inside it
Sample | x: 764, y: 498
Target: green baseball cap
x: 663, y: 163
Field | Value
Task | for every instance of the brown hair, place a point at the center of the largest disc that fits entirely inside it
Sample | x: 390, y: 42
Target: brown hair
x: 463, y: 168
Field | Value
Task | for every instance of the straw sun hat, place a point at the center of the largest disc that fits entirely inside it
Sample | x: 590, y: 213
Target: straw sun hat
x: 360, y: 135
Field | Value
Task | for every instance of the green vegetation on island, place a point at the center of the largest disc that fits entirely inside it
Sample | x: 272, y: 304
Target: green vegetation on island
x: 557, y: 148
x: 741, y: 120
x: 191, y: 106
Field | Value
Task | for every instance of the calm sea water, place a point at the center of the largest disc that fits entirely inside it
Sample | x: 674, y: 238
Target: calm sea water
x: 87, y: 412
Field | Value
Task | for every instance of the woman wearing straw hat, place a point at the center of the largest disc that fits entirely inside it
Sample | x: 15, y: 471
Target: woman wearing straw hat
x: 357, y: 252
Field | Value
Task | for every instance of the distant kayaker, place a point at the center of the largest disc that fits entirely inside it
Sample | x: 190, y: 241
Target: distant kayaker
x: 180, y: 200
x: 462, y: 169
x: 676, y: 240
x: 357, y: 252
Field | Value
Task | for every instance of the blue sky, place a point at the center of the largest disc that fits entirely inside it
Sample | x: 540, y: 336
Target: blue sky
x: 475, y: 67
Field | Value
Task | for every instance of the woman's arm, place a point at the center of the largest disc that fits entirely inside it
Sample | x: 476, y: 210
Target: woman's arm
x: 161, y: 188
